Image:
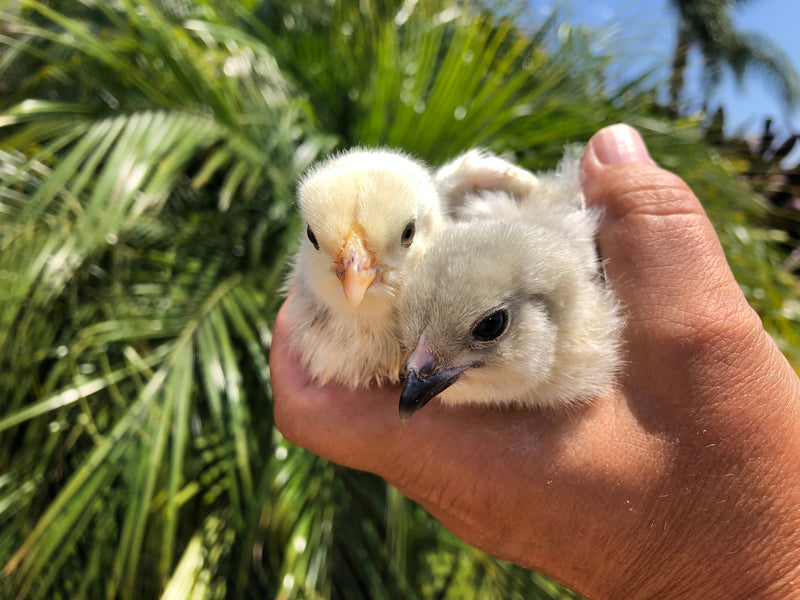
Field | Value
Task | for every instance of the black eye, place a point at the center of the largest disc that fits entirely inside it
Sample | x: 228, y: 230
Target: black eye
x: 489, y: 328
x: 408, y: 234
x: 311, y: 237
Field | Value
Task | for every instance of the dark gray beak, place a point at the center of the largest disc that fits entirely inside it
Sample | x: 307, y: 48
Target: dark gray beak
x: 421, y: 388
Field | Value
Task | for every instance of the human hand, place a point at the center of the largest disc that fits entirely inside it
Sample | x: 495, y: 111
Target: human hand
x: 683, y: 483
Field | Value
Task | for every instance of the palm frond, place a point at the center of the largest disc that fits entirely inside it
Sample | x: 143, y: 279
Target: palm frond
x: 147, y: 167
x: 753, y: 52
x: 709, y: 27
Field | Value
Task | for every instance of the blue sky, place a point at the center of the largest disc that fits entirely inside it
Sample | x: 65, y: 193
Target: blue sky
x: 644, y: 32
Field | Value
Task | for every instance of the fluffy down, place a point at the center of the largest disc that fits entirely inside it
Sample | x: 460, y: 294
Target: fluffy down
x: 370, y: 215
x: 510, y: 306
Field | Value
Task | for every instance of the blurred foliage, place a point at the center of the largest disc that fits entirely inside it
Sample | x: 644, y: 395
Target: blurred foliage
x: 769, y: 164
x: 148, y: 157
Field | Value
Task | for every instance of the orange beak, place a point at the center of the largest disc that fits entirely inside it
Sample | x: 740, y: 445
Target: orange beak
x: 355, y: 266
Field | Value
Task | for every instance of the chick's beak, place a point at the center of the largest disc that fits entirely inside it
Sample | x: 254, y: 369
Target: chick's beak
x: 425, y: 379
x: 355, y: 266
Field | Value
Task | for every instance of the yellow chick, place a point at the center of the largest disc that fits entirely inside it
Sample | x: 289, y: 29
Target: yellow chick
x: 513, y: 309
x: 370, y: 214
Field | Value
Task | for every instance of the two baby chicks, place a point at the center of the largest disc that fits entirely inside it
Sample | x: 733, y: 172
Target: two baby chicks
x: 478, y: 282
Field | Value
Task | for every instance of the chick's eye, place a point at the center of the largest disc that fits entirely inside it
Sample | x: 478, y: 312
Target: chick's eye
x: 311, y: 237
x: 491, y: 327
x: 408, y: 234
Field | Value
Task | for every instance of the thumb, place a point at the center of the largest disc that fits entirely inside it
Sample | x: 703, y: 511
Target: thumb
x: 662, y: 254
x: 665, y: 263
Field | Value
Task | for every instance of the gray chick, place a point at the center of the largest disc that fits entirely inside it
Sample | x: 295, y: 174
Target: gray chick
x: 510, y: 306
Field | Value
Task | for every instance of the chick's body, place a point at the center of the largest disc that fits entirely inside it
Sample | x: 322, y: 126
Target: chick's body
x: 370, y: 215
x: 510, y: 306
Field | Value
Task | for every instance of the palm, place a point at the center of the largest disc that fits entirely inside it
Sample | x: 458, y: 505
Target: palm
x: 149, y: 156
x: 708, y: 27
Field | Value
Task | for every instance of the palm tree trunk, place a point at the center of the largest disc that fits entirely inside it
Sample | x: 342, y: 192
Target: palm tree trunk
x: 679, y: 62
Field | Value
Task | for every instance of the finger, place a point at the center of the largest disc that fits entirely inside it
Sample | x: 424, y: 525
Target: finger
x: 663, y: 259
x: 662, y: 253
x: 342, y: 425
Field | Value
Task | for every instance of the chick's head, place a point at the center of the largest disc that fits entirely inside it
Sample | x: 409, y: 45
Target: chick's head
x: 493, y: 313
x: 369, y: 215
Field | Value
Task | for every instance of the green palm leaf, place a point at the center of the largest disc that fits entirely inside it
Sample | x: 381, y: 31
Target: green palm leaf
x: 148, y: 162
